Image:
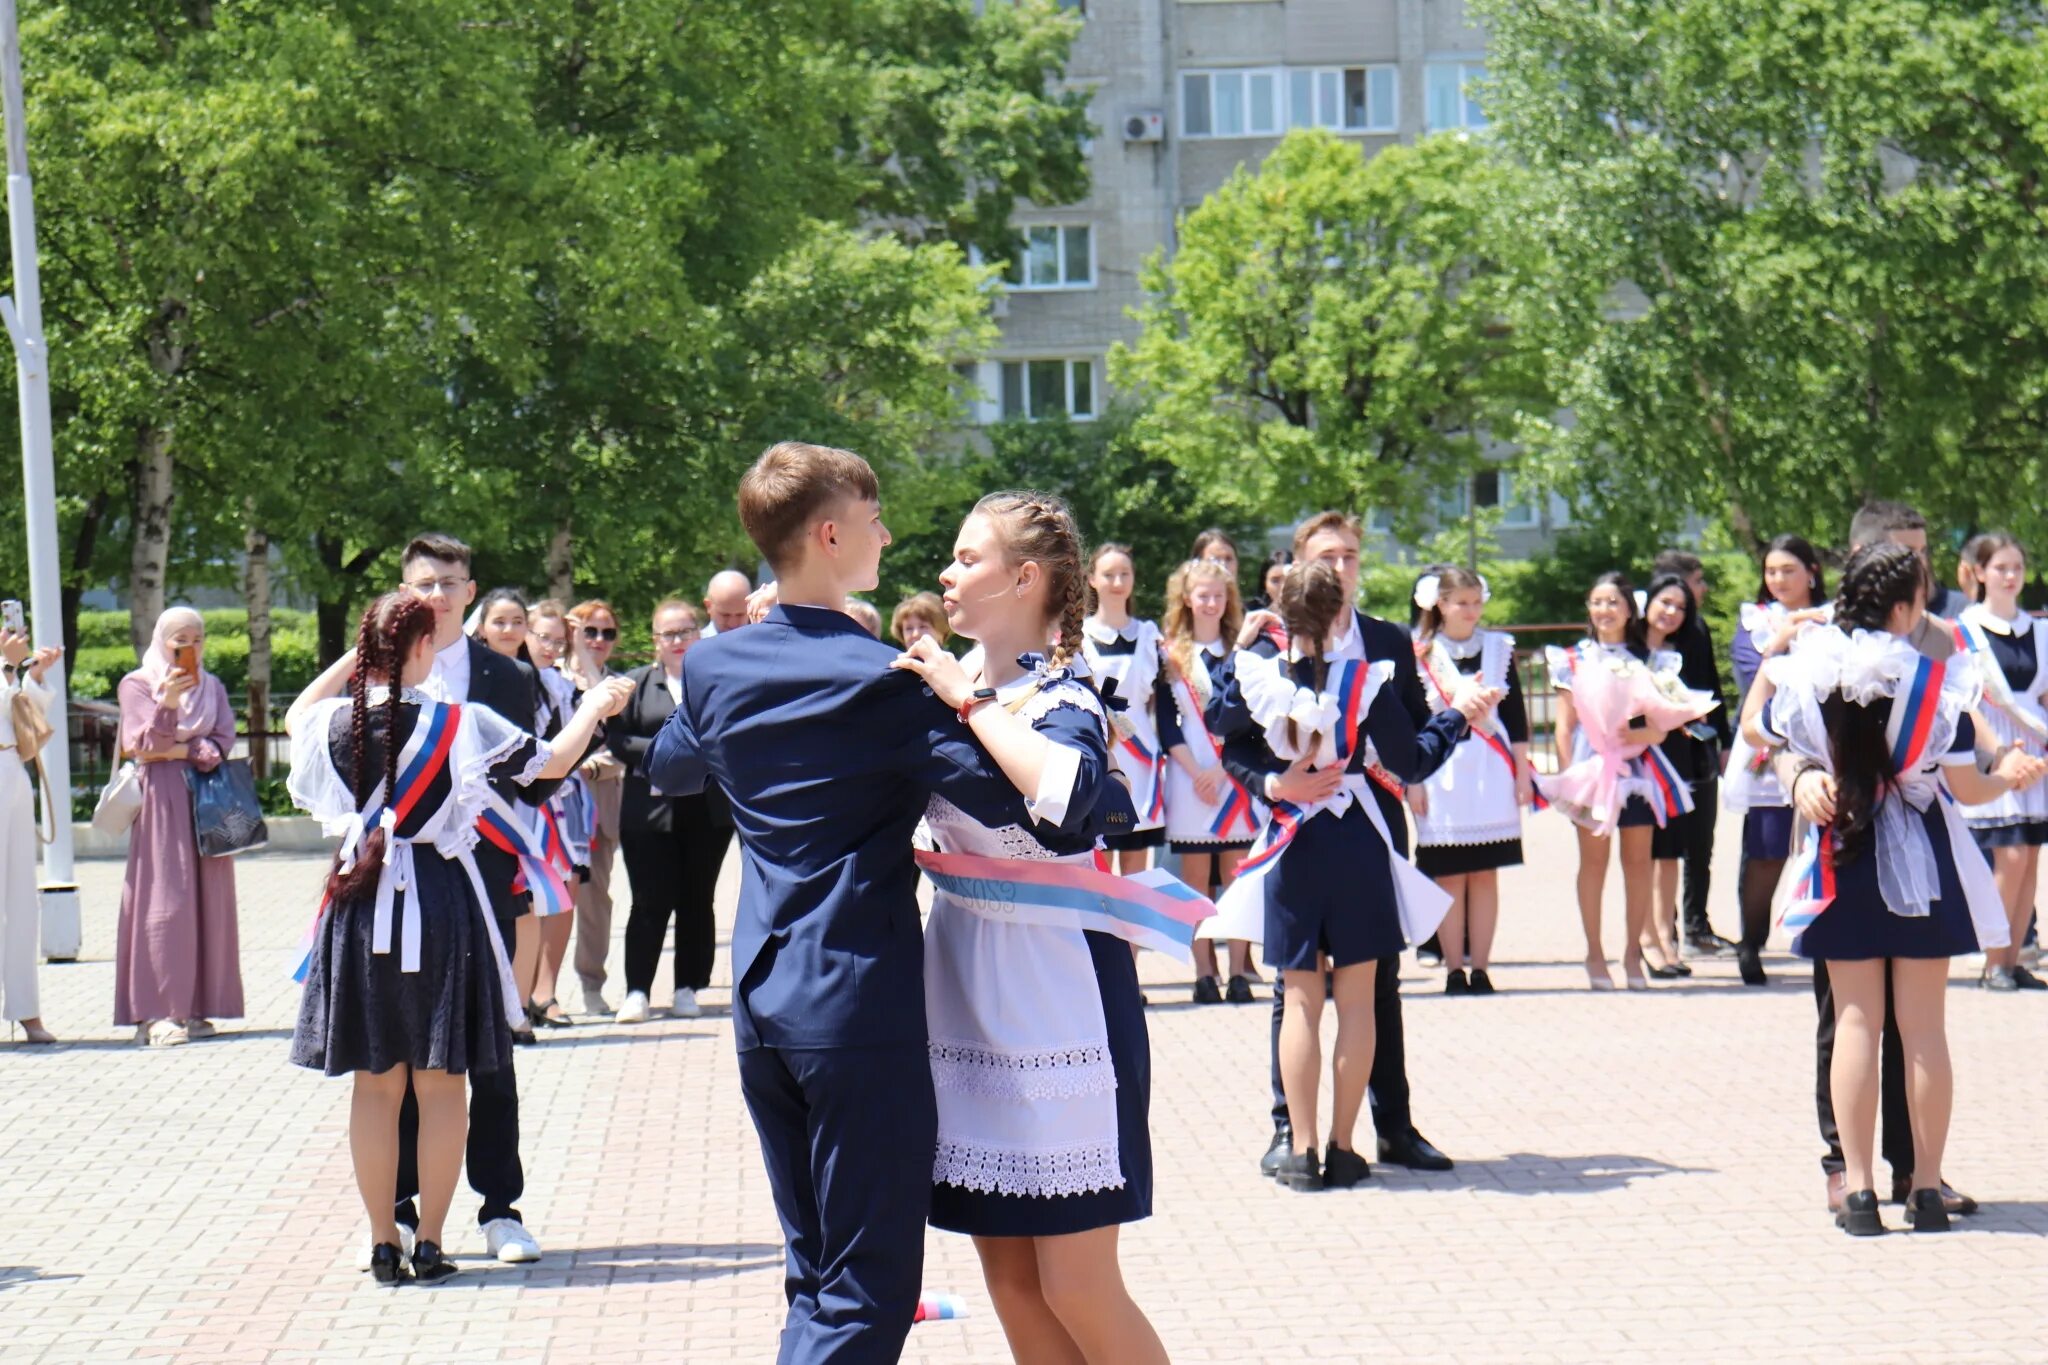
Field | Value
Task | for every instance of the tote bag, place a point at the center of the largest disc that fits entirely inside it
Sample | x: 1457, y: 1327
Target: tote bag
x: 226, y: 817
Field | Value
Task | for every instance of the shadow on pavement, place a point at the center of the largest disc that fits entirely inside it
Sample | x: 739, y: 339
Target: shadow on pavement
x: 2021, y: 1217
x: 1531, y: 1173
x: 641, y: 1263
x: 14, y: 1276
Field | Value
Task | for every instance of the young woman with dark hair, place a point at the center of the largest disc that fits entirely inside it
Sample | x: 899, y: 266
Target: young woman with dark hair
x: 1123, y: 658
x: 1669, y: 612
x: 2012, y: 651
x: 1791, y: 597
x: 406, y: 975
x: 1870, y: 731
x: 1271, y: 576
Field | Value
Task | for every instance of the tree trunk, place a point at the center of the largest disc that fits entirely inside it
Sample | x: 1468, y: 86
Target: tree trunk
x: 561, y: 565
x: 256, y: 596
x: 83, y: 547
x: 149, y: 559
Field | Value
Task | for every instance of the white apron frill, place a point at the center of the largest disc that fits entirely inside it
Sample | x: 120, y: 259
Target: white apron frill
x: 481, y: 738
x: 1862, y: 668
x: 1750, y: 784
x: 1472, y: 797
x: 1133, y: 729
x: 1274, y: 698
x: 2008, y: 716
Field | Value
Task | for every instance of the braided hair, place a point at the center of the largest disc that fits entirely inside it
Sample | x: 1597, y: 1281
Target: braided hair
x: 1311, y: 600
x: 391, y: 626
x: 1039, y: 528
x: 1877, y: 579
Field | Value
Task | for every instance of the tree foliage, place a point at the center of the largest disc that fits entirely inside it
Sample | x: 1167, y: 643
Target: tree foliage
x: 1333, y: 330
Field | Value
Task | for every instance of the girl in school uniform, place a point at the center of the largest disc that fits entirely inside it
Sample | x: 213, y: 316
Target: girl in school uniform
x: 1468, y: 815
x: 1040, y: 1060
x: 565, y: 826
x: 1871, y: 731
x: 1669, y: 611
x: 1210, y: 818
x: 2012, y: 652
x: 1615, y: 703
x: 405, y: 974
x: 1122, y: 653
x: 1335, y: 897
x: 1791, y: 597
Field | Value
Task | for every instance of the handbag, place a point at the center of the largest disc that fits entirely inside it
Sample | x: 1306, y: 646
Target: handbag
x: 226, y: 816
x: 120, y: 801
x: 31, y: 727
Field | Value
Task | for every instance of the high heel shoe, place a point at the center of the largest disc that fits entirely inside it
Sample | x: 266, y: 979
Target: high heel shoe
x: 1634, y: 980
x: 387, y: 1265
x: 429, y: 1266
x: 32, y: 1031
x: 1751, y: 964
x: 1598, y: 977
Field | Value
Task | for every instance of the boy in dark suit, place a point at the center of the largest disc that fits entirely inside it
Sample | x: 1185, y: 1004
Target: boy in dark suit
x: 828, y: 758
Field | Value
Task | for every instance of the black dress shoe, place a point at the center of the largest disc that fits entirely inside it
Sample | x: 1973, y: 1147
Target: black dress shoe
x: 1482, y: 984
x: 1859, y: 1217
x: 1708, y: 942
x: 1925, y: 1212
x: 387, y: 1264
x: 1239, y: 991
x: 1342, y: 1169
x: 1456, y: 984
x: 1667, y: 972
x: 1300, y: 1171
x: 1751, y: 963
x: 2027, y: 980
x: 429, y: 1266
x: 1206, y: 992
x: 1413, y: 1150
x: 1431, y: 953
x: 1958, y: 1205
x: 1282, y: 1144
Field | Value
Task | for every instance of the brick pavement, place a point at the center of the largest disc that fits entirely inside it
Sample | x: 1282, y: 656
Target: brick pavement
x: 1636, y: 1180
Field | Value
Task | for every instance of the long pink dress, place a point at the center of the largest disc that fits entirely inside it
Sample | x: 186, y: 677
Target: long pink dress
x: 178, y: 953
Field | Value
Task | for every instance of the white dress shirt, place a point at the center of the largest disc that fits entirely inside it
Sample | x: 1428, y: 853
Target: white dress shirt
x: 449, y: 682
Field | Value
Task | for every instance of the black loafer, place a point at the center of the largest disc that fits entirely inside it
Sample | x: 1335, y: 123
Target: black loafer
x: 1413, y: 1150
x: 1206, y: 992
x: 1956, y: 1204
x: 1300, y: 1171
x: 1859, y: 1217
x: 429, y: 1266
x: 1456, y: 984
x: 1238, y: 992
x: 2027, y: 980
x: 1751, y: 964
x: 1482, y: 984
x: 1668, y: 972
x: 387, y: 1264
x: 1926, y: 1212
x: 1282, y: 1144
x: 1342, y: 1169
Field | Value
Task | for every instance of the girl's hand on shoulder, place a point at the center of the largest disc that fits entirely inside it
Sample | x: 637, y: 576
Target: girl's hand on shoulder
x: 1813, y: 792
x: 760, y: 600
x: 1255, y: 624
x: 940, y: 670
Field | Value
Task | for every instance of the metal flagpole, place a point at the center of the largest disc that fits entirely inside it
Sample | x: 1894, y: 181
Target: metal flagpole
x: 23, y: 315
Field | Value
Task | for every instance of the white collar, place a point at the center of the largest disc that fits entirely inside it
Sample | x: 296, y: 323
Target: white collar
x: 1980, y: 613
x: 1103, y: 633
x: 1216, y: 648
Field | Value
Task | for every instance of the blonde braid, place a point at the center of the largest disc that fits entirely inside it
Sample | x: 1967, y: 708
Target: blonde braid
x: 1039, y: 528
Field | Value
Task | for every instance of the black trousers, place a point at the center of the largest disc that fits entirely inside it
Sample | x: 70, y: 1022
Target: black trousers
x: 1387, y: 1087
x: 493, y: 1150
x: 1699, y: 855
x: 1897, y: 1122
x: 673, y: 875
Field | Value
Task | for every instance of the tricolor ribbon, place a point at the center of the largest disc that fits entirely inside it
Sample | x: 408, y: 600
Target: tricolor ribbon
x: 1814, y: 890
x: 1922, y: 695
x: 501, y: 831
x: 1153, y: 909
x: 1143, y: 764
x: 1236, y: 806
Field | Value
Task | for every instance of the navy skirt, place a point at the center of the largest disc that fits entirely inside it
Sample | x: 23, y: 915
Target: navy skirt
x: 1457, y: 860
x: 1858, y: 926
x: 1332, y: 894
x: 1767, y: 833
x: 1136, y: 839
x: 981, y: 1213
x: 2019, y: 834
x: 1636, y: 814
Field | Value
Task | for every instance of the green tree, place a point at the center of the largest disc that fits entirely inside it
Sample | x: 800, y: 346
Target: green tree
x: 1801, y: 261
x: 1333, y: 330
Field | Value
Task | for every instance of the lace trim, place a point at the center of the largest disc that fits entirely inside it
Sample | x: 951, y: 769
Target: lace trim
x: 1046, y: 1074
x: 1063, y: 692
x: 1473, y: 837
x: 1082, y: 1168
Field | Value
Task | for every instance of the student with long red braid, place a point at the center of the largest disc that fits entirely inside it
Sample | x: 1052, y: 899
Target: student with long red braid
x: 406, y: 974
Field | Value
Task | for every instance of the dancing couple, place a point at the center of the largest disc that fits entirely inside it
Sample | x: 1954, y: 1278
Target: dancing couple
x: 1006, y: 1045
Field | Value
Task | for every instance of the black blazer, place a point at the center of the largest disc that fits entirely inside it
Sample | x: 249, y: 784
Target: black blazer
x: 628, y: 737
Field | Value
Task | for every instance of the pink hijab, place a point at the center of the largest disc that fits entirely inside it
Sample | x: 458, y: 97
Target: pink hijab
x: 198, y: 713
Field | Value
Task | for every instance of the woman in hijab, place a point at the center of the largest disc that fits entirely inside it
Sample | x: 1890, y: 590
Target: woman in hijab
x: 177, y: 958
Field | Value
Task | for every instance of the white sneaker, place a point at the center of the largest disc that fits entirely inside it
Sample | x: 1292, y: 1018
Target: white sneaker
x: 510, y: 1242
x: 405, y: 1240
x: 168, y: 1033
x: 593, y: 1001
x: 200, y: 1028
x: 686, y: 1006
x: 633, y: 1009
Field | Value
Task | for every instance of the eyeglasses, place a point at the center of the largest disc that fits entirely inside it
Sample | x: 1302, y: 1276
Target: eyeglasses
x: 600, y: 633
x: 427, y: 587
x: 676, y: 637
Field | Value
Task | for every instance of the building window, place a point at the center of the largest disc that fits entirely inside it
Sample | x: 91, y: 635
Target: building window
x: 1055, y: 256
x: 1049, y: 388
x: 1265, y: 101
x: 1449, y: 98
x: 1496, y: 488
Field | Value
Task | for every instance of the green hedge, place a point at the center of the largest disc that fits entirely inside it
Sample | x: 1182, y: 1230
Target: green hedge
x: 105, y: 655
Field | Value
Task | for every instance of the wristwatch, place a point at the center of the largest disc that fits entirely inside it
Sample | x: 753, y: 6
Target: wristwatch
x: 979, y: 695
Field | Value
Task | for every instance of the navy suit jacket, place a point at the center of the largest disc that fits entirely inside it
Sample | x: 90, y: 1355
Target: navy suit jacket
x: 828, y: 757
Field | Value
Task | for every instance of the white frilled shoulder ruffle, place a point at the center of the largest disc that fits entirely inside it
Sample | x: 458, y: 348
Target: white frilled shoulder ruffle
x: 1559, y: 661
x: 1273, y: 698
x: 313, y: 784
x: 1861, y: 667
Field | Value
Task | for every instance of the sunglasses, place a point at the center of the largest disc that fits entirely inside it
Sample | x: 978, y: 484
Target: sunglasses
x: 606, y: 633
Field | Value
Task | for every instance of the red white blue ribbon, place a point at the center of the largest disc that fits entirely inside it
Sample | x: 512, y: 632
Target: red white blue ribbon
x: 1153, y: 909
x: 1143, y: 765
x: 501, y: 830
x: 1814, y: 891
x: 1236, y: 806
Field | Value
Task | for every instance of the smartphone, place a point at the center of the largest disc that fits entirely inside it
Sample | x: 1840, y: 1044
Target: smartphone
x: 11, y: 618
x: 187, y: 658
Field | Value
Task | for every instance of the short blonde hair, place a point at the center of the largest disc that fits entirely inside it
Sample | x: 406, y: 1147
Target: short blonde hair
x: 1326, y: 521
x: 925, y: 607
x: 790, y: 486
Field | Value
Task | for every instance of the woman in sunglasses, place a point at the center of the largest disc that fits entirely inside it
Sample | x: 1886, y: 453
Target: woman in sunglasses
x: 674, y: 845
x: 593, y: 635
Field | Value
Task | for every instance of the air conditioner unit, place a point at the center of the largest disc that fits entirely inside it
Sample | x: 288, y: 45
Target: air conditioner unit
x: 1145, y: 126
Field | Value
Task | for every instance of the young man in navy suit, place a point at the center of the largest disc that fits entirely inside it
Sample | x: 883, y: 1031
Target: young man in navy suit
x: 828, y: 757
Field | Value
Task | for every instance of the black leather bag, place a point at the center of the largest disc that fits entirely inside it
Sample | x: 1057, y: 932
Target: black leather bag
x: 226, y: 816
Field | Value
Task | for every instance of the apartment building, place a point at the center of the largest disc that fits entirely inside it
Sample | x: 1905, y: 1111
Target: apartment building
x: 1184, y: 92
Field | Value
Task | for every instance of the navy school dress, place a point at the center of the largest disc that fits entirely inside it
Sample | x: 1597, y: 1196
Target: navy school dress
x: 360, y: 1011
x: 1111, y: 659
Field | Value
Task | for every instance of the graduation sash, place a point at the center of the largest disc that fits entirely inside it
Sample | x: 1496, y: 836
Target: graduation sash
x: 500, y: 827
x: 1426, y: 658
x: 1970, y: 638
x: 1153, y: 909
x: 1236, y: 806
